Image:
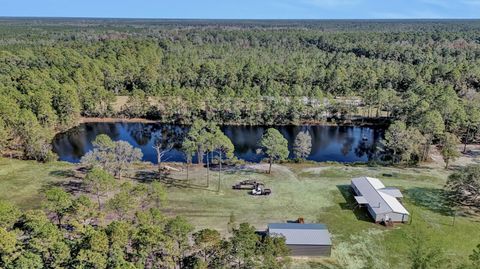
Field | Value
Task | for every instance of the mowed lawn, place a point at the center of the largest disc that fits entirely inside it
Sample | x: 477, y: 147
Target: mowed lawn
x: 22, y: 182
x: 316, y: 192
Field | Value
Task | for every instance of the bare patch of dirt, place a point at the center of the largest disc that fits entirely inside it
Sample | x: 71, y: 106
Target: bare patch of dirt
x: 471, y: 156
x: 315, y: 170
x: 263, y: 167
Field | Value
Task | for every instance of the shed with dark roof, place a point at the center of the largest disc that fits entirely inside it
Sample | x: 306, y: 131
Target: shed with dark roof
x: 303, y: 239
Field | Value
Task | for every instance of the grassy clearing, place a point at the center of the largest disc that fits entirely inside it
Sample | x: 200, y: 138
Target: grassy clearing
x: 22, y: 182
x: 319, y: 193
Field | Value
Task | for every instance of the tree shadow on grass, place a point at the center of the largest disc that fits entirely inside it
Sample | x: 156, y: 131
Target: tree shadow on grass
x: 146, y: 176
x: 68, y: 173
x: 472, y: 153
x: 361, y: 213
x: 244, y: 170
x: 62, y: 173
x: 226, y: 168
x: 431, y: 199
x: 72, y: 184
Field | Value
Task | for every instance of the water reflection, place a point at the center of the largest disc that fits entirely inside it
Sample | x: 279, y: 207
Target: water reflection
x: 329, y: 143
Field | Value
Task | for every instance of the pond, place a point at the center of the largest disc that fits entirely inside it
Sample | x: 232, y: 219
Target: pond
x: 329, y: 143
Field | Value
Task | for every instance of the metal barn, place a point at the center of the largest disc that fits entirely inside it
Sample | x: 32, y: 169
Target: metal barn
x: 303, y: 239
x: 382, y: 202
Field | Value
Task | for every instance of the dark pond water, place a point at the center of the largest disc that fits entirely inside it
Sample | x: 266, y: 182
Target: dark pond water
x: 329, y: 143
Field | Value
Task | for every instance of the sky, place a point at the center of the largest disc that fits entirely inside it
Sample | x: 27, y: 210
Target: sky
x: 245, y: 9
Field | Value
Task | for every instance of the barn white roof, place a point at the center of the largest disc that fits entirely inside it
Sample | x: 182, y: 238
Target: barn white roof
x: 380, y: 199
x: 392, y: 192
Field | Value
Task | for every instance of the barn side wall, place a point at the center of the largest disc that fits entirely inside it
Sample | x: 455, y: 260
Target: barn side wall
x: 395, y: 217
x: 373, y: 215
x: 355, y: 190
x: 309, y: 250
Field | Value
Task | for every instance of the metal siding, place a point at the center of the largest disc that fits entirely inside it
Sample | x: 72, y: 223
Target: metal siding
x: 303, y: 236
x: 379, y: 202
x: 372, y: 213
x: 396, y: 217
x: 392, y: 192
x: 311, y: 251
x: 361, y: 200
x: 298, y: 226
x: 379, y: 217
x: 355, y: 189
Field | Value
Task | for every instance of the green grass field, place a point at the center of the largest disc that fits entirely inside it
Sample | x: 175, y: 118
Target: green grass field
x: 318, y: 193
x: 22, y: 182
x: 321, y: 194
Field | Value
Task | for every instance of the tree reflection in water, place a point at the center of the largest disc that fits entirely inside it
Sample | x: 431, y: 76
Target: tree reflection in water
x: 329, y: 143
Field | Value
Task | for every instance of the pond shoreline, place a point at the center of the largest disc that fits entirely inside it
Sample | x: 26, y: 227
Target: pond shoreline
x: 372, y: 122
x: 329, y: 142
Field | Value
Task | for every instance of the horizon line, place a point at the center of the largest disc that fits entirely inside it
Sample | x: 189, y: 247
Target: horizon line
x: 239, y: 19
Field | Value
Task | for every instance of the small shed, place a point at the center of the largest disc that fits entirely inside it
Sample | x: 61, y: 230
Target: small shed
x: 382, y: 202
x: 304, y: 239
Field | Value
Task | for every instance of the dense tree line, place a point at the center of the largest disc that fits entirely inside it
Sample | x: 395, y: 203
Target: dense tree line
x: 53, y: 72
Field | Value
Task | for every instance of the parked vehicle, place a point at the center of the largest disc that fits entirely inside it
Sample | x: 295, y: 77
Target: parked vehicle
x: 257, y: 188
x: 261, y: 191
x: 247, y: 185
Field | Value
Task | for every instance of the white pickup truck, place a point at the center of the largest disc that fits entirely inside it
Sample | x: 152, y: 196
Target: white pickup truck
x: 261, y: 191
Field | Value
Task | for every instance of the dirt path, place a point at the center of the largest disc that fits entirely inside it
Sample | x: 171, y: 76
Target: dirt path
x: 472, y: 156
x: 264, y: 167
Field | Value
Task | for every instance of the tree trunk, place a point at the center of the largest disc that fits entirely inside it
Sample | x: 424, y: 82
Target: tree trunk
x: 159, y: 161
x: 426, y: 149
x: 363, y: 114
x: 182, y: 256
x: 118, y: 173
x: 199, y: 157
x: 424, y: 154
x: 208, y: 172
x: 466, y: 139
x: 98, y: 200
x: 270, y: 166
x: 59, y: 217
x: 220, y: 170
